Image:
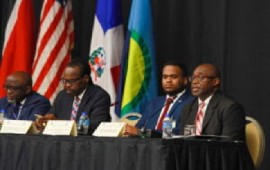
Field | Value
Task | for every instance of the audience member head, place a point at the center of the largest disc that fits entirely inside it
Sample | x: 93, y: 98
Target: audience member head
x: 205, y: 80
x: 76, y: 77
x: 18, y: 85
x: 174, y: 77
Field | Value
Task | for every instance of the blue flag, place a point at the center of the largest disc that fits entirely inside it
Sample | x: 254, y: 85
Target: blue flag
x: 138, y: 82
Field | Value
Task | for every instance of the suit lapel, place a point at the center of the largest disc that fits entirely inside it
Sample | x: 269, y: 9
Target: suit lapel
x: 210, y: 110
x: 177, y: 103
x: 193, y: 112
x: 86, y: 97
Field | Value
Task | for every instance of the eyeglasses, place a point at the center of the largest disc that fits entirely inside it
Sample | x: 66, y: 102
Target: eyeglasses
x: 201, y: 78
x: 70, y: 81
x: 13, y: 88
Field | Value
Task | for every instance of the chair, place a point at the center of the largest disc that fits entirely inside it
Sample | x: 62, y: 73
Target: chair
x: 255, y: 141
x: 131, y: 118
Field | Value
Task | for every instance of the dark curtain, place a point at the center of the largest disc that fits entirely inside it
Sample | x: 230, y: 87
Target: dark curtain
x: 233, y: 34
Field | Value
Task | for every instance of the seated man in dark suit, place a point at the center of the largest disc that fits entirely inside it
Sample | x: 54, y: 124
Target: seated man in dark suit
x: 79, y: 95
x: 21, y: 102
x: 174, y: 83
x: 212, y: 112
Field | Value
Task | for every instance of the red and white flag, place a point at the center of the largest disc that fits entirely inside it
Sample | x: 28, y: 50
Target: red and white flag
x: 53, y: 51
x: 19, y: 46
x: 106, y: 47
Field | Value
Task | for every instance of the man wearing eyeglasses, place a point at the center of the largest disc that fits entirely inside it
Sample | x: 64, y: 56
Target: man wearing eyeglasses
x: 21, y: 102
x: 211, y: 112
x: 79, y: 95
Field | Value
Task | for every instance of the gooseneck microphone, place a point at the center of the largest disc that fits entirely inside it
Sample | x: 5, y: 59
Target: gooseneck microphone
x: 143, y: 129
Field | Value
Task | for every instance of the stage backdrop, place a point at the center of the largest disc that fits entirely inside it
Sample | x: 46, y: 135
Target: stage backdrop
x: 233, y: 34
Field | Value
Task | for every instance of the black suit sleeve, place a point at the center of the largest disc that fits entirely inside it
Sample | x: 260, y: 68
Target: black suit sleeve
x: 100, y: 109
x: 234, y: 122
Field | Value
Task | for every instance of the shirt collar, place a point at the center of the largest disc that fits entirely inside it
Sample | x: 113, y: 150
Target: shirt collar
x: 177, y: 96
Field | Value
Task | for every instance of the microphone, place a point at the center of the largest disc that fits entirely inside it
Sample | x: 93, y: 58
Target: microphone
x: 151, y: 132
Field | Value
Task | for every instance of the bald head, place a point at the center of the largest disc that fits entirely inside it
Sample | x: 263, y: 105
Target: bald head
x: 210, y: 69
x: 18, y: 85
x: 21, y: 77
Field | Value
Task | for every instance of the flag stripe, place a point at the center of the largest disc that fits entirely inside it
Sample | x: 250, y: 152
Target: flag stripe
x: 56, y: 39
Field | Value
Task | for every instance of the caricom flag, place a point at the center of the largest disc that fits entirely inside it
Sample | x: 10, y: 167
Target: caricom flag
x: 107, y: 47
x: 138, y: 75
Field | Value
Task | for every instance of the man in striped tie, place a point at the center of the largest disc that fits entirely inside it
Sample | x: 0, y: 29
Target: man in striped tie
x: 79, y: 95
x: 212, y: 112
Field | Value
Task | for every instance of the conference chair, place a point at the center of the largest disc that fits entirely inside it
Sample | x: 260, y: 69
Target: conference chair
x: 255, y: 141
x: 131, y: 118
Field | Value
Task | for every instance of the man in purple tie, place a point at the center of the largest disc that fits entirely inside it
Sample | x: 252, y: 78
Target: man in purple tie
x: 79, y: 95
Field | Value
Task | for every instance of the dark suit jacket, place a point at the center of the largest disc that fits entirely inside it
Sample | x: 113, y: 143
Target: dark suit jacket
x: 34, y: 104
x: 96, y: 102
x: 223, y: 116
x: 152, y: 111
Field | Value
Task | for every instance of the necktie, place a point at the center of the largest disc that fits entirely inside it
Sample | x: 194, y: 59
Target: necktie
x: 16, y: 109
x: 199, y: 119
x: 75, y: 108
x: 165, y: 110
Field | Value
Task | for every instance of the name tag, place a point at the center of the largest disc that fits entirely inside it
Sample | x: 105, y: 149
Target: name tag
x: 60, y: 127
x: 18, y: 127
x: 110, y: 129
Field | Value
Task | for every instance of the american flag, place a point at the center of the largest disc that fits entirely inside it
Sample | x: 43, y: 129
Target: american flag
x: 53, y: 51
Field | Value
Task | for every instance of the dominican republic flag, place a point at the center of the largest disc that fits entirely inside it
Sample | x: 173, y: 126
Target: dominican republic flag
x: 138, y: 81
x: 107, y: 47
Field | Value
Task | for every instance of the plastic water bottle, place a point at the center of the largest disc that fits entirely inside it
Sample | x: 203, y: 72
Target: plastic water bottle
x: 167, y: 127
x: 83, y: 124
x: 2, y: 116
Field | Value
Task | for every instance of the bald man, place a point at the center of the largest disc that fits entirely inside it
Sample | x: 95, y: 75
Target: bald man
x: 21, y: 102
x: 211, y: 112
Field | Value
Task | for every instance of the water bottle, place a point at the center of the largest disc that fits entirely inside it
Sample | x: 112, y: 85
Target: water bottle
x: 2, y: 116
x: 167, y: 127
x: 83, y: 124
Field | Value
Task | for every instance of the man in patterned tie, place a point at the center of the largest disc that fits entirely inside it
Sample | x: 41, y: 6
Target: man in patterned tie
x: 79, y: 95
x: 219, y: 115
x: 21, y: 102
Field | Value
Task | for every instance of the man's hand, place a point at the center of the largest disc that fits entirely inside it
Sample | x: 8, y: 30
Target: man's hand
x: 41, y: 121
x: 130, y: 130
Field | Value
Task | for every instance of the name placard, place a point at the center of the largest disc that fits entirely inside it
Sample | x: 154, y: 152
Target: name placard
x: 109, y: 129
x: 60, y: 127
x: 18, y: 127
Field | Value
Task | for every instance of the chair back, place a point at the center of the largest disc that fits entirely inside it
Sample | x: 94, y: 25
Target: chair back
x: 255, y: 141
x: 131, y: 118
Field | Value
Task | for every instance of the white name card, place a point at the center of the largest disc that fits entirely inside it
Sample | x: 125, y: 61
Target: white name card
x: 60, y: 127
x: 109, y: 129
x: 18, y: 127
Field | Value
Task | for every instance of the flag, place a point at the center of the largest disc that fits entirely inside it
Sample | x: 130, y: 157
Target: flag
x: 55, y: 42
x: 138, y: 76
x: 18, y: 49
x: 107, y: 47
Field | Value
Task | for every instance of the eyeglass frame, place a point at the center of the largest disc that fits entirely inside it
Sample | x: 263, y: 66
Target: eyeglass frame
x: 201, y: 78
x: 13, y: 88
x: 71, y: 81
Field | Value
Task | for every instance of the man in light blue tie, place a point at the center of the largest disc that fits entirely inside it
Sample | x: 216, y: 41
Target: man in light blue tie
x: 21, y: 102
